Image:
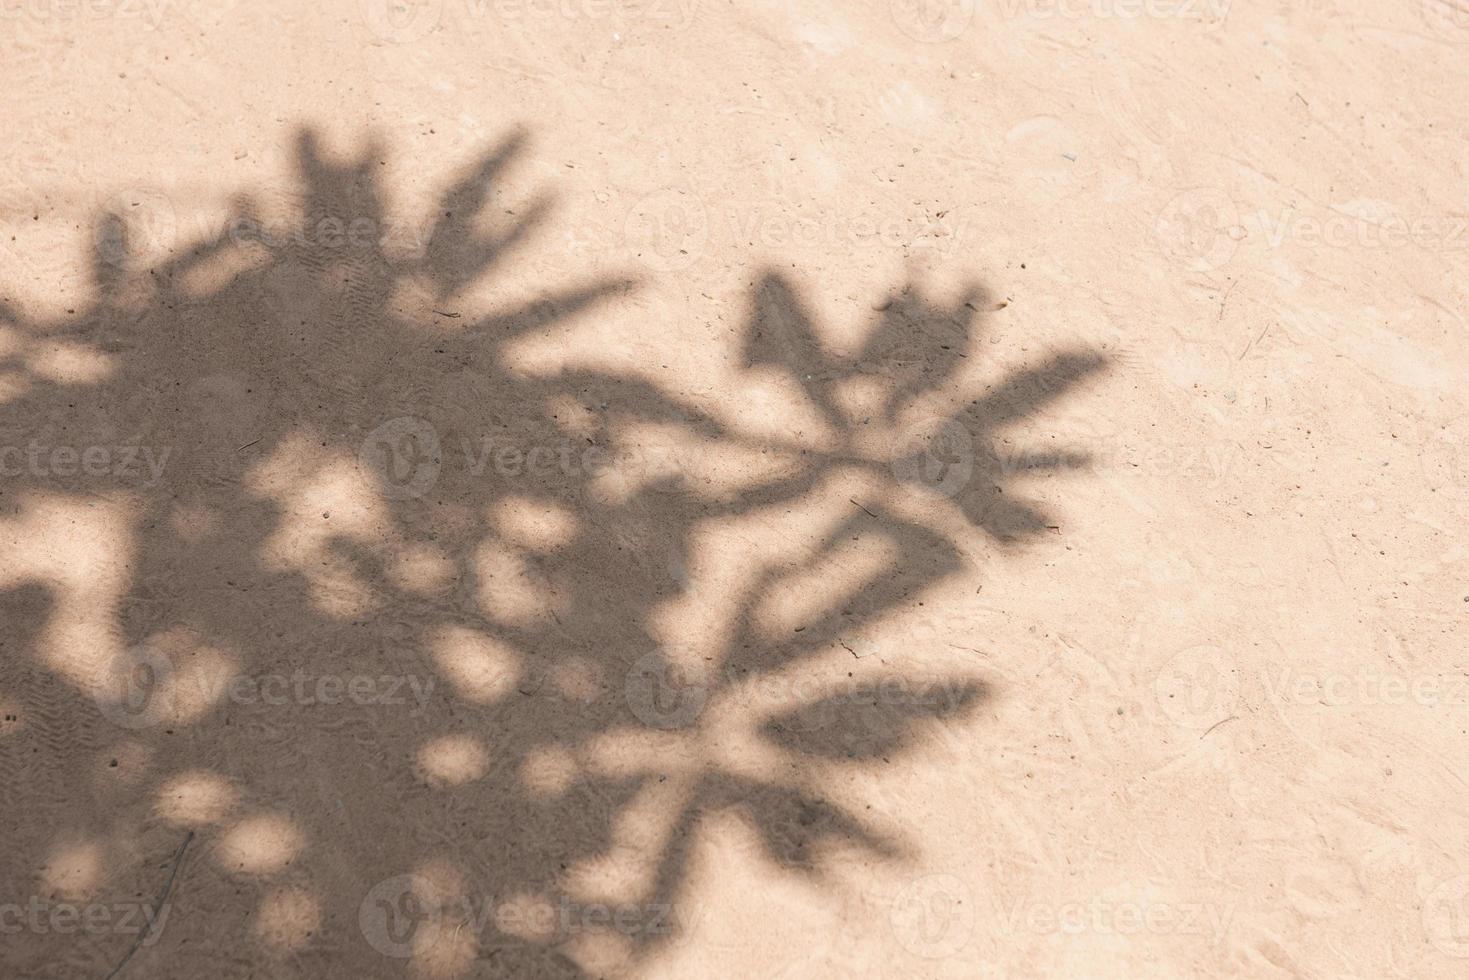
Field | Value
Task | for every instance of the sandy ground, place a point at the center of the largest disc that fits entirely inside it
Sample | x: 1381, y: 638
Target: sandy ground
x: 667, y: 488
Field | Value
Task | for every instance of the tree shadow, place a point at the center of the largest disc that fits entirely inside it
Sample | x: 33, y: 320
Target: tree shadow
x: 445, y: 662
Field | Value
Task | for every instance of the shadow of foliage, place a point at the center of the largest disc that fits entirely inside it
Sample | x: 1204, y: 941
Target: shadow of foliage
x: 343, y: 483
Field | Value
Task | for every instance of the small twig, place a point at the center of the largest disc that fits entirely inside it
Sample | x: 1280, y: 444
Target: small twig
x: 1216, y: 725
x: 454, y: 316
x: 247, y: 446
x: 863, y: 509
x: 178, y: 859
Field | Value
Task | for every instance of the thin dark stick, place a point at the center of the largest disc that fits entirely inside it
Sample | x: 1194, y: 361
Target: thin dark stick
x: 157, y: 906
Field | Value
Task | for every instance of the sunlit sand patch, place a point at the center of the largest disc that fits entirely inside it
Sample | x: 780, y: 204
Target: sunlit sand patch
x: 323, y: 498
x: 445, y: 941
x: 421, y: 569
x: 481, y: 668
x: 222, y: 268
x: 73, y: 364
x: 80, y: 553
x: 510, y: 591
x: 444, y: 947
x: 578, y: 679
x: 287, y: 918
x: 74, y: 869
x: 548, y: 771
x: 535, y: 525
x: 809, y: 592
x: 602, y: 949
x: 169, y: 678
x: 453, y: 760
x: 862, y: 397
x: 773, y: 409
x: 194, y: 798
x: 259, y: 845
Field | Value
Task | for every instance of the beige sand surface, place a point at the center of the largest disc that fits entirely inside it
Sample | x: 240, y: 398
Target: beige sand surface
x: 686, y: 488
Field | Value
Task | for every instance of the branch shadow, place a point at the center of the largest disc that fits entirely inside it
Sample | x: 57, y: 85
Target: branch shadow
x: 330, y: 581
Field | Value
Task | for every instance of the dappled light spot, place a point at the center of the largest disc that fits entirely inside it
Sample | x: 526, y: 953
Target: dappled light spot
x: 510, y: 590
x: 535, y: 525
x: 326, y: 502
x: 71, y: 364
x: 259, y: 845
x: 169, y: 678
x: 74, y: 869
x: 578, y: 679
x: 804, y: 595
x: 288, y: 918
x: 453, y: 760
x: 434, y: 912
x: 195, y: 798
x: 481, y: 668
x: 548, y: 771
x: 604, y: 948
x: 421, y: 569
x: 862, y: 396
x: 13, y: 386
x: 217, y: 270
x: 444, y: 947
x: 79, y: 552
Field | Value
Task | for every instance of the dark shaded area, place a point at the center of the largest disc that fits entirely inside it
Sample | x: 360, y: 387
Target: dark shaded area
x: 273, y: 343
